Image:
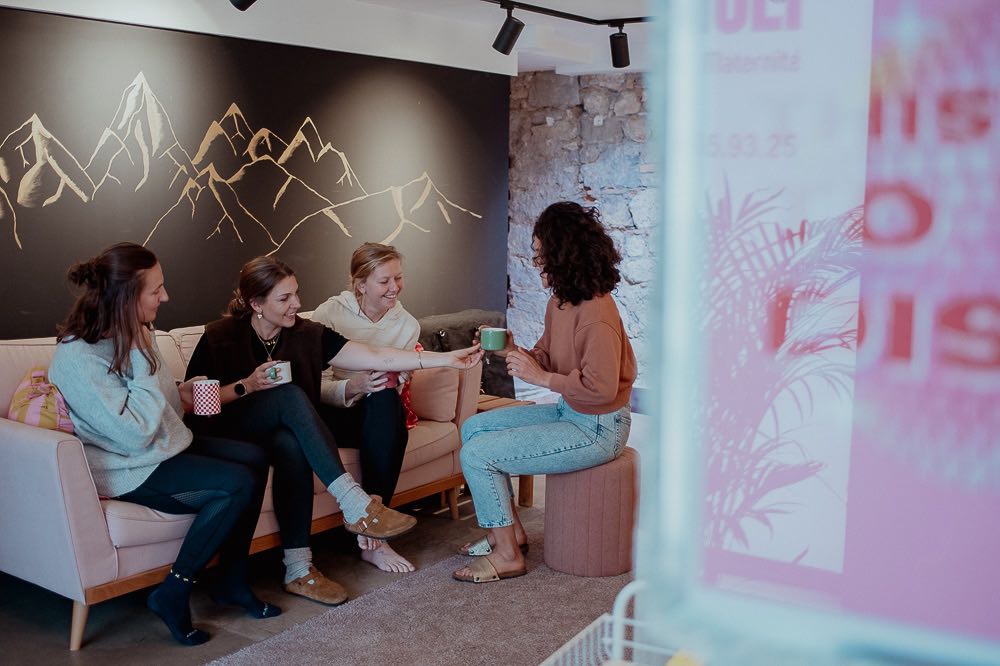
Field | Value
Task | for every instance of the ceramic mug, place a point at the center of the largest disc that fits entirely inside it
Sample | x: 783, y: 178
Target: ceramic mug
x: 493, y: 339
x: 280, y: 373
x: 391, y: 379
x: 207, y: 399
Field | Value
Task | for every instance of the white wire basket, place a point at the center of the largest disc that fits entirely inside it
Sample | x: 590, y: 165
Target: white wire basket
x: 590, y: 647
x: 608, y: 640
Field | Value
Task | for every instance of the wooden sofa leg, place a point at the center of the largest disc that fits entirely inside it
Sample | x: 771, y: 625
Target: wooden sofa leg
x: 526, y: 490
x: 453, y: 502
x: 80, y: 611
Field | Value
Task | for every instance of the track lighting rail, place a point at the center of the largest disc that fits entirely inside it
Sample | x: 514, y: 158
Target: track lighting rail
x: 612, y: 23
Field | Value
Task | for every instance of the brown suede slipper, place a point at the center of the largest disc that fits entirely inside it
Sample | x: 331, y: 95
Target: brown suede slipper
x: 381, y: 522
x: 314, y: 585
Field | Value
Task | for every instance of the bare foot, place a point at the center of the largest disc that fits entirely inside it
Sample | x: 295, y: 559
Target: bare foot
x: 386, y: 559
x: 521, y: 537
x: 368, y: 543
x: 501, y: 563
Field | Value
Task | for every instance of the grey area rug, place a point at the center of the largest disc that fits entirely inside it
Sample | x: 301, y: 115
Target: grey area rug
x: 428, y: 618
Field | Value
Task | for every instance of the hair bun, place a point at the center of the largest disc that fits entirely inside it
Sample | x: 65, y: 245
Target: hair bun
x: 85, y: 273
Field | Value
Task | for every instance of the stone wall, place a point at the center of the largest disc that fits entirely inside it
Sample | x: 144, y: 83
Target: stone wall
x: 584, y: 139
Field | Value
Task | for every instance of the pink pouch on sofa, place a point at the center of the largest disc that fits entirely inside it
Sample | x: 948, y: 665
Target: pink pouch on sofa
x: 37, y: 402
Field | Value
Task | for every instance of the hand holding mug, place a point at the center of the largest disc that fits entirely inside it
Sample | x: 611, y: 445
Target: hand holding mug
x: 186, y: 391
x: 280, y: 372
x: 461, y: 359
x: 260, y: 378
x: 368, y: 381
x: 391, y: 379
x: 500, y: 341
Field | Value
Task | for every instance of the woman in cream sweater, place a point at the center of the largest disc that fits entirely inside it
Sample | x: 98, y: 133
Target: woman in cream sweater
x: 364, y: 409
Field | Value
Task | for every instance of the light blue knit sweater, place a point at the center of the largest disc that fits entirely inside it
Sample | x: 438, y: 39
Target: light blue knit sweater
x: 129, y: 424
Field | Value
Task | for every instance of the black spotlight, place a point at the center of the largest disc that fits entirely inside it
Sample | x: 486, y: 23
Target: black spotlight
x: 619, y: 48
x: 509, y: 32
x: 242, y: 5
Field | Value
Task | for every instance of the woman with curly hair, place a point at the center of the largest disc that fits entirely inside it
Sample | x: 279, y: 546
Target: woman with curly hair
x: 585, y: 356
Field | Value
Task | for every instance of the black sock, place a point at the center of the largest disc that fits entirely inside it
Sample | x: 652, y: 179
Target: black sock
x: 170, y: 601
x: 232, y: 589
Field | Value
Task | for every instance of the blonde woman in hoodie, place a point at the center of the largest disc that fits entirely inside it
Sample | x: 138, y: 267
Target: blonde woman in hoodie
x: 364, y: 409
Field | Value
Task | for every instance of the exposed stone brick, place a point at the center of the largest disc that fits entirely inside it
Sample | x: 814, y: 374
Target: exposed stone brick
x: 617, y: 168
x: 615, y: 213
x: 643, y: 207
x: 627, y: 103
x: 600, y: 130
x: 636, y: 128
x: 636, y: 246
x: 597, y: 101
x: 582, y: 139
x: 609, y: 81
x: 554, y: 90
x: 638, y: 271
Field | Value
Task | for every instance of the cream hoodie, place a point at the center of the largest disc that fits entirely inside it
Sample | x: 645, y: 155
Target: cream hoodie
x: 397, y: 328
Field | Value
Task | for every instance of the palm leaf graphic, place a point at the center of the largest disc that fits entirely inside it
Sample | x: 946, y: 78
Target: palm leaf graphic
x: 771, y: 283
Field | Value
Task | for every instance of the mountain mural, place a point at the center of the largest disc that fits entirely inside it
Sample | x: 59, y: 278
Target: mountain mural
x: 240, y: 182
x: 212, y: 150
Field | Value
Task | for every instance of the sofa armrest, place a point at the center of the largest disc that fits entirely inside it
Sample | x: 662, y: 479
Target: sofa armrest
x: 52, y: 528
x: 469, y: 381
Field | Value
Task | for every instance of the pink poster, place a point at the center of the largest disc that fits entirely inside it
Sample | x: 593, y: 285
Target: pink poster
x: 922, y: 541
x: 853, y: 458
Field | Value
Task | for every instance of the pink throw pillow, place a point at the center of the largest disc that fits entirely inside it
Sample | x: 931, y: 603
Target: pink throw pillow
x: 434, y: 393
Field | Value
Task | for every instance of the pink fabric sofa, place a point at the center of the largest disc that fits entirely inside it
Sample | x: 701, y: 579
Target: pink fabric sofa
x: 57, y: 533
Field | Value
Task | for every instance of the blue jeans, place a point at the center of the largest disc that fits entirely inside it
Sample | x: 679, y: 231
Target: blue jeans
x: 536, y: 439
x: 284, y: 423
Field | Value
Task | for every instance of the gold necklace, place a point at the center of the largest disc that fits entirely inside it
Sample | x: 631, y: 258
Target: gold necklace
x: 268, y: 344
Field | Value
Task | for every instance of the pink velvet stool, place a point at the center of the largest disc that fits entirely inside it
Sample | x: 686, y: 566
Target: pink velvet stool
x: 589, y: 517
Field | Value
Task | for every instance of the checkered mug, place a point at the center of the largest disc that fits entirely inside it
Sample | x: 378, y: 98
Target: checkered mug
x: 207, y: 398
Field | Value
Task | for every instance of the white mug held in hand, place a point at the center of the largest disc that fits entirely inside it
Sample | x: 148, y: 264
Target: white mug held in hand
x: 280, y: 373
x: 207, y: 399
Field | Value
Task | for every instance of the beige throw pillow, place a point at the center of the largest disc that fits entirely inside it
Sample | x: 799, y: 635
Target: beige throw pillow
x: 434, y: 393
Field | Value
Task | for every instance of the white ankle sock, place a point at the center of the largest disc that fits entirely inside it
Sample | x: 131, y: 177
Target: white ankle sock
x: 352, y: 499
x: 297, y: 562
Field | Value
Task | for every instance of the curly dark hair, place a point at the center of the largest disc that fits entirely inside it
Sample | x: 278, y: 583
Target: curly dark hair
x: 576, y: 254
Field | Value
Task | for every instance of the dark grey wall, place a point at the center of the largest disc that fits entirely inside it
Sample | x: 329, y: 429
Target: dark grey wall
x: 86, y: 102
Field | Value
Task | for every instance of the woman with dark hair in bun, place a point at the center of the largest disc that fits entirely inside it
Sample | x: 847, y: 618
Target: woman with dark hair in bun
x: 585, y: 356
x: 127, y: 410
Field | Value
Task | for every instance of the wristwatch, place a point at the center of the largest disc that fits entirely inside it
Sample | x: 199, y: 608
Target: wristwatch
x: 240, y: 389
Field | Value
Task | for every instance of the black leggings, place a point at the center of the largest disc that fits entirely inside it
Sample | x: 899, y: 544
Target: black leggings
x: 284, y: 425
x: 223, y: 481
x: 376, y: 426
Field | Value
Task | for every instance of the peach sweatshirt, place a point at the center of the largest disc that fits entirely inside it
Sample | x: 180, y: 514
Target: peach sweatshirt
x: 587, y: 350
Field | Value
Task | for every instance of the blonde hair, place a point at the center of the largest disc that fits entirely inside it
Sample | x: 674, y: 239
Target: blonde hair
x: 366, y: 259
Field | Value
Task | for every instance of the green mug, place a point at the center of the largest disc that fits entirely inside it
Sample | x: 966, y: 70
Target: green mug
x: 493, y: 339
